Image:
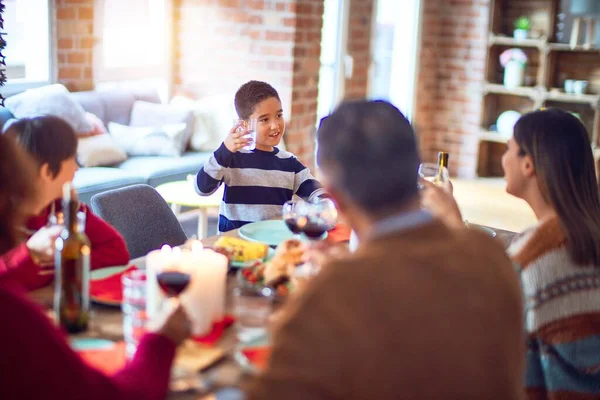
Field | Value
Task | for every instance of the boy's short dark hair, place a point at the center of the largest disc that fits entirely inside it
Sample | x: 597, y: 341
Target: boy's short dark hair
x: 48, y: 139
x: 250, y: 94
x: 369, y: 150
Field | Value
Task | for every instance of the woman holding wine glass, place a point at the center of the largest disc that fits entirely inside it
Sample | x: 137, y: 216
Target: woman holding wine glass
x: 27, y: 334
x: 549, y: 164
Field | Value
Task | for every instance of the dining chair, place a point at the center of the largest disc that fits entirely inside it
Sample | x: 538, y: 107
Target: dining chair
x: 142, y: 216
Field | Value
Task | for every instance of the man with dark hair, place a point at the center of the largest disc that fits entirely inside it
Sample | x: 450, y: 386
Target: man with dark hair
x: 52, y: 144
x: 420, y: 311
x: 260, y: 181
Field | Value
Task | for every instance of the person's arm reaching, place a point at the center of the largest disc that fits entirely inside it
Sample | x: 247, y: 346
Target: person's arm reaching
x: 305, y: 185
x: 37, y: 362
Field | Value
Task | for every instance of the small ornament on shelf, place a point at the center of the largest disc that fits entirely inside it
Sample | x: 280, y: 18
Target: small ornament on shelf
x: 522, y: 27
x: 514, y: 62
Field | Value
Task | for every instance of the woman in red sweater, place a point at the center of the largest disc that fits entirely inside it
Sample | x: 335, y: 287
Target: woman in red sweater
x: 53, y: 145
x: 37, y: 362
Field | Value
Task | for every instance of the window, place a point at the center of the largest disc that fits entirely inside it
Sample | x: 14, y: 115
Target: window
x: 28, y: 55
x: 333, y: 56
x: 134, y: 41
x: 395, y: 45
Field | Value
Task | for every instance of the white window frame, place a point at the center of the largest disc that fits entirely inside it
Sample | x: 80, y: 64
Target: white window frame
x: 12, y: 88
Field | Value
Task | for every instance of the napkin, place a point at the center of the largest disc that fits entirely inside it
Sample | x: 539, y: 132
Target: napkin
x: 340, y: 233
x: 218, y: 329
x: 110, y: 288
x: 258, y: 356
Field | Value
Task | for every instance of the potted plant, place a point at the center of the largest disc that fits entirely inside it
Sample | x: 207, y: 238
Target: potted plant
x: 522, y: 27
x: 514, y: 62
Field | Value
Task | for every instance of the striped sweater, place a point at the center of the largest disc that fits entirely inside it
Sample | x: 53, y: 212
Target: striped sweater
x: 562, y: 306
x: 257, y: 184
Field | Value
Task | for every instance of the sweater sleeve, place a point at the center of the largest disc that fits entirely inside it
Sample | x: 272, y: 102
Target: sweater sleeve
x: 38, y: 363
x: 21, y: 268
x: 108, y: 246
x: 305, y: 185
x: 214, y: 171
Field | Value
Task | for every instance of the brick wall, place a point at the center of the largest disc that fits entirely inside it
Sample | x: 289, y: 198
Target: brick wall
x: 359, y: 43
x: 452, y: 70
x: 74, y: 43
x: 239, y: 40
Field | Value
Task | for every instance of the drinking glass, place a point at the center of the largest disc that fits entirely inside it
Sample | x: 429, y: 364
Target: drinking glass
x: 248, y: 126
x: 134, y: 309
x: 294, y: 216
x: 173, y: 280
x: 433, y: 173
x: 321, y: 216
x: 252, y: 307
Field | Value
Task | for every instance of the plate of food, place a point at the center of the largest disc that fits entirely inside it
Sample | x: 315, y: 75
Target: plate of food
x: 242, y: 253
x: 279, y: 272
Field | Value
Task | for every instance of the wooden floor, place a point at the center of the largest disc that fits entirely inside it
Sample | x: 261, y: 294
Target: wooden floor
x: 485, y: 201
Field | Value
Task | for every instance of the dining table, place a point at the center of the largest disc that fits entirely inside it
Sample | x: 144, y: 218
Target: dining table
x: 224, y: 371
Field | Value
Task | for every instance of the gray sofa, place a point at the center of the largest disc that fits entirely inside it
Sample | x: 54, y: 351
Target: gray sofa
x: 116, y: 106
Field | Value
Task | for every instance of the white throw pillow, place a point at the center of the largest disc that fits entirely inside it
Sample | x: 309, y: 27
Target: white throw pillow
x: 213, y: 119
x: 149, y: 141
x: 146, y: 114
x: 50, y: 100
x: 99, y: 150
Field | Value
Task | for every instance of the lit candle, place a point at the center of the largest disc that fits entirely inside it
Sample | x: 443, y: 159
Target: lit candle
x: 204, y: 298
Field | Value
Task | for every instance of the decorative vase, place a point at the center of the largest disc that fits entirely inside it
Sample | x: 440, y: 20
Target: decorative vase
x: 514, y: 74
x: 520, y: 34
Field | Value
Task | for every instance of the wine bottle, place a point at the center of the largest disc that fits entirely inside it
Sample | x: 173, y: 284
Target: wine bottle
x: 72, y: 264
x: 442, y: 163
x: 443, y: 159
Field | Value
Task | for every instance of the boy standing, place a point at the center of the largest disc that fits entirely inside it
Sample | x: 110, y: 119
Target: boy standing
x: 257, y: 182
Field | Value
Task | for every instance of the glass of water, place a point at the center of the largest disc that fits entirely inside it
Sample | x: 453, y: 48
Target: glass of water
x: 252, y: 307
x: 250, y: 127
x: 134, y: 309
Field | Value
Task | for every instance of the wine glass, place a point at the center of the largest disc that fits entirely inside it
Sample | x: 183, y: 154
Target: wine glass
x: 172, y: 280
x: 294, y: 216
x: 433, y: 173
x: 321, y: 217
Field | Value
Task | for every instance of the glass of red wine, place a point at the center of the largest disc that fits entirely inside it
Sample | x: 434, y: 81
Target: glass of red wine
x: 173, y: 282
x: 294, y: 216
x: 321, y: 217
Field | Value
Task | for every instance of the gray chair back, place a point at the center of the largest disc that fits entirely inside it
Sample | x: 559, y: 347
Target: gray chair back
x: 142, y: 216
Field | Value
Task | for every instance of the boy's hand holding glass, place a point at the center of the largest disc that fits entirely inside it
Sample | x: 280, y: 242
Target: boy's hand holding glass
x: 239, y: 137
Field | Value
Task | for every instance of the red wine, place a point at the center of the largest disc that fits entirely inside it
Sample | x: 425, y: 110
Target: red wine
x: 292, y: 225
x: 313, y: 230
x: 173, y: 282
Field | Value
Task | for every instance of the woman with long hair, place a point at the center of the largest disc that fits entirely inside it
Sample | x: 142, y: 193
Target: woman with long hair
x: 549, y: 164
x: 37, y: 361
